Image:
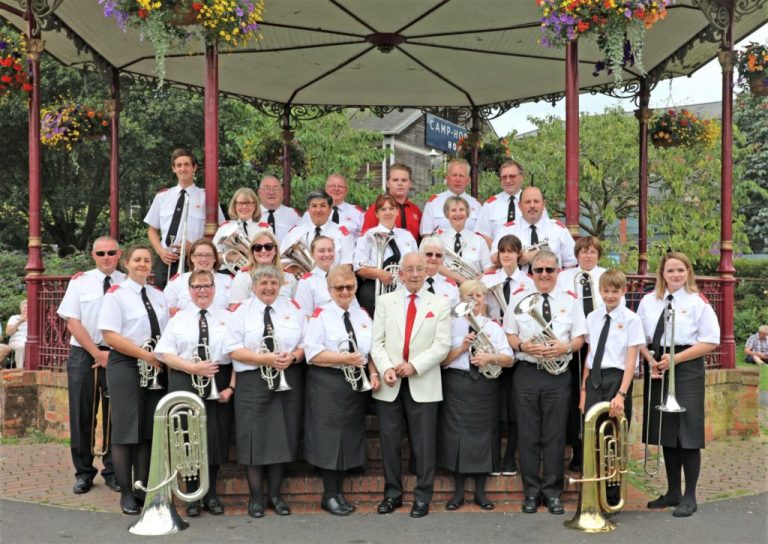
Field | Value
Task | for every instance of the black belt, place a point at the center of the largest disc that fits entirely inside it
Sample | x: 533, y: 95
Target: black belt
x: 538, y: 366
x: 458, y: 371
x: 104, y: 348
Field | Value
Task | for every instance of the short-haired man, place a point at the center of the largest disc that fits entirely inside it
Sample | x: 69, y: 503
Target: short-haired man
x: 398, y: 185
x: 342, y: 213
x: 756, y: 348
x: 456, y: 179
x: 88, y: 361
x: 276, y: 215
x: 165, y: 216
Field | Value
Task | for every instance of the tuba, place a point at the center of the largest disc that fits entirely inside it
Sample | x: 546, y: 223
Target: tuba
x: 381, y: 241
x: 527, y: 305
x: 456, y: 264
x: 269, y: 373
x: 200, y: 383
x: 234, y: 249
x: 355, y: 376
x: 147, y: 373
x: 482, y: 343
x: 297, y: 259
x: 179, y: 449
x: 606, y: 461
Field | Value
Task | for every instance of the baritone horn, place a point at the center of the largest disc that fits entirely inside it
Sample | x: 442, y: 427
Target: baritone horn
x: 179, y: 450
x: 148, y: 373
x: 606, y: 461
x: 269, y: 373
x: 481, y: 344
x: 201, y: 383
x: 355, y: 375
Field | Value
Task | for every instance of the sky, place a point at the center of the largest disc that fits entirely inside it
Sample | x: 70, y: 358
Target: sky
x: 702, y: 86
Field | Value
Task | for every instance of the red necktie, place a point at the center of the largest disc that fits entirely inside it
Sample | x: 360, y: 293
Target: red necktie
x: 410, y: 317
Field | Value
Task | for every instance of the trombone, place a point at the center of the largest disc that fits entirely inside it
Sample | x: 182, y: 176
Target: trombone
x: 147, y: 373
x: 183, y: 247
x: 269, y: 373
x: 104, y: 449
x: 200, y: 383
x: 355, y: 376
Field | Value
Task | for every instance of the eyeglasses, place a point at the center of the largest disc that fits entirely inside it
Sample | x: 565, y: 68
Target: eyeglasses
x: 258, y: 248
x: 431, y: 255
x: 204, y: 255
x: 111, y: 253
x: 270, y: 189
x: 240, y: 203
x: 340, y: 288
x: 413, y: 269
x: 201, y: 286
x: 547, y: 269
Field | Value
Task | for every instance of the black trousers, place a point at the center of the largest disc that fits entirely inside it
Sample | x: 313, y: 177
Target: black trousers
x: 422, y: 421
x: 80, y: 382
x: 541, y: 401
x: 574, y: 415
x: 160, y: 270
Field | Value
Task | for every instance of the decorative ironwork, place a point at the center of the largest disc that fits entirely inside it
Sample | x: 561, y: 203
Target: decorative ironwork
x: 54, y: 336
x: 42, y: 13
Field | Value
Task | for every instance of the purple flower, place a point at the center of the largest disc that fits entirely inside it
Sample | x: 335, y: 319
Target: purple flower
x: 3, y: 44
x: 239, y: 11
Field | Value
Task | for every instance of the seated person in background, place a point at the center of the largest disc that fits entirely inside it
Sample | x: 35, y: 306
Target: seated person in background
x: 756, y: 348
x: 17, y: 330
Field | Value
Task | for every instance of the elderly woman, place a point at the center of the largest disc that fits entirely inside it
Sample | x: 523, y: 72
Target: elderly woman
x: 366, y: 262
x: 264, y: 339
x: 198, y: 332
x: 264, y: 251
x: 468, y: 429
x: 312, y: 290
x: 433, y: 250
x: 202, y: 256
x: 467, y: 245
x: 334, y: 418
x: 17, y: 330
x: 245, y: 211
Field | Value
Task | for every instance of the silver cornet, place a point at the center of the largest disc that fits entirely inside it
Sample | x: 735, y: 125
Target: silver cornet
x: 200, y: 383
x: 269, y: 373
x: 481, y: 344
x: 147, y: 373
x: 355, y: 376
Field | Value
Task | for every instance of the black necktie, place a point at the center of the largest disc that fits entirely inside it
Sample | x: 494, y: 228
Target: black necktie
x: 546, y: 311
x: 511, y: 209
x: 335, y: 216
x: 154, y: 325
x: 659, y: 331
x: 586, y: 293
x: 474, y: 372
x: 176, y: 219
x: 534, y: 235
x: 595, y: 379
x: 507, y: 290
x: 271, y: 220
x: 402, y: 216
x: 457, y: 244
x: 317, y: 232
x: 431, y: 288
x: 349, y: 327
x: 395, y: 257
x: 269, y: 330
x: 202, y: 337
x: 245, y: 227
x: 107, y: 283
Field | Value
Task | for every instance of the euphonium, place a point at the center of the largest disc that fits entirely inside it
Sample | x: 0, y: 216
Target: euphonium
x: 200, y: 383
x: 179, y: 449
x: 555, y: 365
x: 298, y: 259
x: 381, y: 241
x: 456, y: 264
x: 269, y: 373
x: 482, y: 343
x: 148, y: 374
x: 606, y: 460
x: 234, y: 249
x: 355, y: 376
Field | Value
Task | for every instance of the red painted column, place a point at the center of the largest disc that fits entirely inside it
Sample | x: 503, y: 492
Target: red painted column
x: 113, y: 109
x: 572, y: 138
x: 474, y: 142
x: 34, y: 267
x: 285, y: 124
x: 211, y: 140
x: 643, y: 114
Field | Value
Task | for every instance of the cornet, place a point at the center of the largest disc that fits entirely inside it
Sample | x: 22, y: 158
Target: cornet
x: 544, y: 244
x: 299, y: 258
x: 482, y: 343
x: 147, y: 373
x: 555, y: 365
x: 200, y: 383
x: 355, y: 376
x: 269, y: 373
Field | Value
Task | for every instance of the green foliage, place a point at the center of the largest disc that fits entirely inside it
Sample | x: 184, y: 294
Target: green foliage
x: 12, y: 286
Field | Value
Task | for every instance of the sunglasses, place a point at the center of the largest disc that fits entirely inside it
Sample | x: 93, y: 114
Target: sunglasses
x: 547, y: 269
x: 258, y: 248
x: 111, y: 253
x: 340, y: 288
x: 201, y: 286
x: 431, y: 255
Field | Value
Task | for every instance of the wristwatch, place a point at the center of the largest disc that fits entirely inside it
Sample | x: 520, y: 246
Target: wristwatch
x: 622, y: 393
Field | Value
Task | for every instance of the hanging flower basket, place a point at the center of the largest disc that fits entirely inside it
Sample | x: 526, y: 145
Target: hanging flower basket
x: 673, y: 128
x: 13, y: 65
x: 492, y: 152
x: 759, y: 85
x: 66, y: 123
x: 752, y: 64
x: 618, y: 27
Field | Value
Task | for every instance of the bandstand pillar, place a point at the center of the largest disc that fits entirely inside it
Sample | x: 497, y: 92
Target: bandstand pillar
x: 572, y: 138
x: 474, y: 142
x: 643, y: 114
x: 285, y: 124
x: 211, y: 140
x: 113, y: 111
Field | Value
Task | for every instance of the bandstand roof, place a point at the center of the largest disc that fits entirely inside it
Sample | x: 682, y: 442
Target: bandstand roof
x: 453, y: 53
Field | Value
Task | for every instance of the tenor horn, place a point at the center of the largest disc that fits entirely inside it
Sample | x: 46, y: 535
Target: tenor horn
x: 201, y: 383
x: 482, y: 343
x: 234, y: 250
x: 456, y: 264
x: 355, y: 376
x: 270, y: 373
x: 381, y: 241
x: 299, y: 258
x: 555, y: 365
x: 148, y: 373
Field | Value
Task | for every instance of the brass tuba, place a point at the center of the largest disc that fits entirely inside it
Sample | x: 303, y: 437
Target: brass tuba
x: 482, y: 343
x: 297, y: 259
x: 200, y: 383
x: 381, y: 241
x: 147, y: 373
x: 234, y: 249
x: 179, y: 449
x: 527, y: 305
x: 269, y: 373
x: 606, y: 461
x: 355, y: 376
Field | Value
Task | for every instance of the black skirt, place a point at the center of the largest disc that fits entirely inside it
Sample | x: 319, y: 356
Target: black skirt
x: 468, y: 427
x: 334, y: 420
x: 133, y: 406
x: 219, y: 416
x: 685, y: 429
x: 268, y: 423
x: 506, y: 400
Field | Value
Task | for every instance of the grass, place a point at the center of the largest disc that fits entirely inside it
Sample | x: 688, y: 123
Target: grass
x: 742, y: 364
x: 33, y: 436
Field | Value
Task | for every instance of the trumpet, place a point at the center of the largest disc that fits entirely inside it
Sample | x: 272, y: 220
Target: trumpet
x: 381, y: 241
x: 269, y: 373
x: 147, y: 373
x: 355, y: 376
x: 481, y: 344
x: 554, y: 365
x: 459, y: 266
x: 200, y: 383
x: 299, y: 258
x: 234, y: 249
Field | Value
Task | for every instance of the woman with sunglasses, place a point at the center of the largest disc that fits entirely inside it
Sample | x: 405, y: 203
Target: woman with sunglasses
x: 469, y: 246
x: 133, y: 315
x: 312, y: 290
x: 334, y: 417
x: 468, y: 428
x: 366, y: 260
x: 202, y: 256
x: 245, y: 212
x: 433, y: 250
x: 198, y: 332
x: 267, y: 331
x: 264, y: 251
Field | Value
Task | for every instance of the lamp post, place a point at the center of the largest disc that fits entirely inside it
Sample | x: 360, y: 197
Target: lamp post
x: 434, y: 158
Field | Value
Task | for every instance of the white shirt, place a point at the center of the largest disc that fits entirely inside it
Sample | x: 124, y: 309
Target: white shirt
x: 326, y: 330
x: 182, y: 334
x: 695, y: 320
x: 246, y: 328
x: 350, y: 216
x: 444, y: 287
x: 82, y: 301
x: 626, y: 331
x: 343, y: 241
x: 518, y: 283
x: 285, y: 219
x: 560, y: 241
x: 177, y: 291
x: 493, y: 215
x: 312, y: 291
x: 474, y: 247
x: 242, y: 287
x: 123, y: 311
x: 433, y: 216
x: 566, y: 283
x: 228, y: 227
x: 20, y: 336
x: 161, y: 211
x: 365, y: 251
x: 494, y: 332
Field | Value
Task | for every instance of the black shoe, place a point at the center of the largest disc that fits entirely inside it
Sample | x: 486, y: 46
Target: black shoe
x: 455, y: 503
x: 663, y: 501
x: 278, y: 504
x: 356, y: 471
x: 193, y: 509
x: 509, y: 468
x: 112, y: 483
x: 484, y: 503
x: 255, y: 508
x: 343, y: 502
x: 687, y: 508
x: 530, y: 505
x: 82, y: 485
x: 419, y: 509
x: 387, y: 506
x: 555, y: 506
x: 129, y: 506
x: 334, y: 507
x: 214, y: 506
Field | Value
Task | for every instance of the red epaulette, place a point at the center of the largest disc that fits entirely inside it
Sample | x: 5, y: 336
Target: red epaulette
x: 559, y: 223
x: 359, y: 209
x: 264, y: 225
x: 431, y: 198
x: 298, y: 306
x: 156, y: 287
x: 509, y: 223
x: 113, y: 288
x: 491, y: 199
x: 702, y: 297
x: 574, y: 295
x: 173, y: 312
x: 519, y: 289
x: 164, y: 189
x: 451, y: 281
x: 490, y: 273
x: 317, y: 311
x: 234, y: 307
x: 307, y: 276
x: 344, y: 230
x: 296, y: 211
x: 366, y: 311
x: 76, y: 276
x: 245, y: 269
x: 440, y: 231
x: 176, y: 275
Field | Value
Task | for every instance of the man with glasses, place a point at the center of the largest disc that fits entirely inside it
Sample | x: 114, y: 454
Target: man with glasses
x: 456, y: 179
x: 279, y: 217
x: 86, y: 366
x: 411, y: 336
x: 342, y: 213
x: 541, y: 398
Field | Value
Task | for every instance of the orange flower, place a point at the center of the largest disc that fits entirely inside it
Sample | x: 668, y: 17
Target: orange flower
x: 583, y: 26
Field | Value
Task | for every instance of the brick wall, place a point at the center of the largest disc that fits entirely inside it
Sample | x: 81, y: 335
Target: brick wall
x: 34, y: 400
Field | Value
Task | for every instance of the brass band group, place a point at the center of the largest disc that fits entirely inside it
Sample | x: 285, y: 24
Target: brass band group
x: 463, y: 322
